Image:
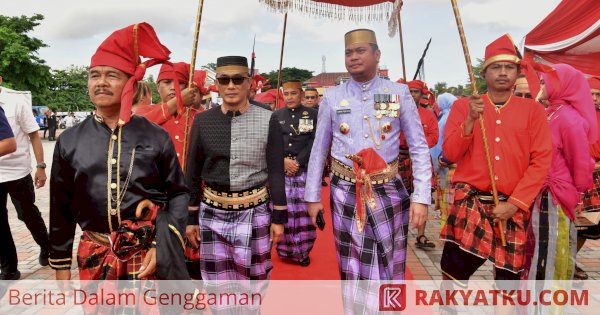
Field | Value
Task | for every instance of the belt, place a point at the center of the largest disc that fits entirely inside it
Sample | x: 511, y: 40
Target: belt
x: 346, y: 173
x: 403, y: 152
x: 489, y: 198
x: 235, y: 200
x: 99, y: 238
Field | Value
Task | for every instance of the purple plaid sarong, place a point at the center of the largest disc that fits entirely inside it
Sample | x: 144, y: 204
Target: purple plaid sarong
x: 300, y: 234
x: 235, y: 244
x: 379, y: 252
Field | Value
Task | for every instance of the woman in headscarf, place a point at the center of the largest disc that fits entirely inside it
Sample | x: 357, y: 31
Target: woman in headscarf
x: 443, y: 170
x: 552, y: 236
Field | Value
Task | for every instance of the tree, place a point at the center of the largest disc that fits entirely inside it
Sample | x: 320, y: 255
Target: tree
x: 288, y: 74
x: 20, y: 65
x: 440, y: 87
x: 211, y: 66
x: 155, y: 96
x: 481, y: 85
x: 68, y: 91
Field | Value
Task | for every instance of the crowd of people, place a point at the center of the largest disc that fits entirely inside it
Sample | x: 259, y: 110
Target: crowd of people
x: 205, y: 191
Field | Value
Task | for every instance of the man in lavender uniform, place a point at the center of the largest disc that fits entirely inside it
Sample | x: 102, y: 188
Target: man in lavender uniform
x: 364, y: 114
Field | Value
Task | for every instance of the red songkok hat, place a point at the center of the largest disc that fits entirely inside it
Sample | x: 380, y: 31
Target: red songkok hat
x: 122, y: 50
x: 179, y: 70
x: 417, y: 84
x: 594, y: 83
x: 502, y: 49
x: 200, y: 80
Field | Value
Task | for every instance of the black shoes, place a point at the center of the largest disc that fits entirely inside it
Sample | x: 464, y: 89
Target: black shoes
x: 305, y: 262
x: 43, y: 259
x: 10, y: 275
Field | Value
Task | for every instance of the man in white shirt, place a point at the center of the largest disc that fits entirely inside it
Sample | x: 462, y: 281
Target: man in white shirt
x: 16, y: 181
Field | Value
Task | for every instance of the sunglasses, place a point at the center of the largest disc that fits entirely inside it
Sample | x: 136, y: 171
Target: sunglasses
x: 235, y: 80
x: 310, y: 97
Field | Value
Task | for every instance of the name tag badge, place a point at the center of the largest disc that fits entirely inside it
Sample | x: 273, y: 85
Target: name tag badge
x: 343, y: 111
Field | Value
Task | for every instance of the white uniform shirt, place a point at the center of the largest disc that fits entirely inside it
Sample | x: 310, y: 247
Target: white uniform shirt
x: 17, y: 106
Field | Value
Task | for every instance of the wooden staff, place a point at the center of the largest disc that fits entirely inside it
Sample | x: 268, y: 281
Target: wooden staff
x: 191, y: 84
x: 486, y: 147
x: 281, y: 60
x: 401, y: 46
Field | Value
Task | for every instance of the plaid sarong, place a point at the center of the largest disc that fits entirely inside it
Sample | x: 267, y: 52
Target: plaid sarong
x: 300, y: 234
x: 96, y: 260
x: 445, y: 192
x: 591, y: 198
x: 405, y: 172
x: 551, y: 242
x: 379, y: 252
x: 471, y: 226
x: 235, y: 244
x: 591, y: 202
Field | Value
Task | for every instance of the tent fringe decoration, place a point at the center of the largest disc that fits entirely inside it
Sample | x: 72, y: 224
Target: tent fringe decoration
x: 387, y: 11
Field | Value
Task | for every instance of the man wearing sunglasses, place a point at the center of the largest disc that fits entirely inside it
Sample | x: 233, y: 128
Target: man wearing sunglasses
x: 236, y: 149
x: 298, y: 124
x: 311, y: 98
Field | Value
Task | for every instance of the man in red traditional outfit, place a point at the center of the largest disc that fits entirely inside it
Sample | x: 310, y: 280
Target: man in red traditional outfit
x: 520, y: 149
x: 171, y: 114
x: 430, y: 127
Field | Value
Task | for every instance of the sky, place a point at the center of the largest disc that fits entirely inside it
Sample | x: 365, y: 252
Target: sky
x: 73, y: 29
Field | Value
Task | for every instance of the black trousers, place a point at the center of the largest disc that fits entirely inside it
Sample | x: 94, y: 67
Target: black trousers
x: 52, y: 133
x: 22, y: 194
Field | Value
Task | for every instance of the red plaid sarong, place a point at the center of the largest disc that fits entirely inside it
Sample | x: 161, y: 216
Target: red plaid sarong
x: 471, y: 226
x: 591, y: 198
x: 97, y: 261
x: 405, y: 172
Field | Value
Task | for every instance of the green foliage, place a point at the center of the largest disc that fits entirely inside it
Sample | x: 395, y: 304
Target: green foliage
x: 288, y: 74
x: 68, y: 90
x: 20, y: 65
x: 211, y: 65
x: 481, y: 84
x: 442, y: 87
x: 155, y: 96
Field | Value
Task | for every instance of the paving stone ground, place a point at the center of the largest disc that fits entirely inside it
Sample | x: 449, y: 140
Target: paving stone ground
x: 423, y: 264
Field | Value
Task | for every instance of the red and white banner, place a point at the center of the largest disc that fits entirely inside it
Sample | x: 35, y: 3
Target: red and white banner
x: 570, y: 34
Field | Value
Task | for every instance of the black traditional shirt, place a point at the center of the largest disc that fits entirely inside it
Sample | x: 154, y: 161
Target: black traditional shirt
x: 298, y: 128
x: 235, y: 152
x: 80, y: 190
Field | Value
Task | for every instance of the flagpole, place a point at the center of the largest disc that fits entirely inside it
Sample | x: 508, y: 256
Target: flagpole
x: 486, y: 147
x: 401, y: 45
x: 191, y: 84
x: 281, y: 60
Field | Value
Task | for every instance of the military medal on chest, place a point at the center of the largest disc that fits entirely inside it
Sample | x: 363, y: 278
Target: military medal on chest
x: 385, y: 105
x: 305, y: 125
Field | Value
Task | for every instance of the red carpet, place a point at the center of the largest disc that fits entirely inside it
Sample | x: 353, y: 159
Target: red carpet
x: 324, y: 265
